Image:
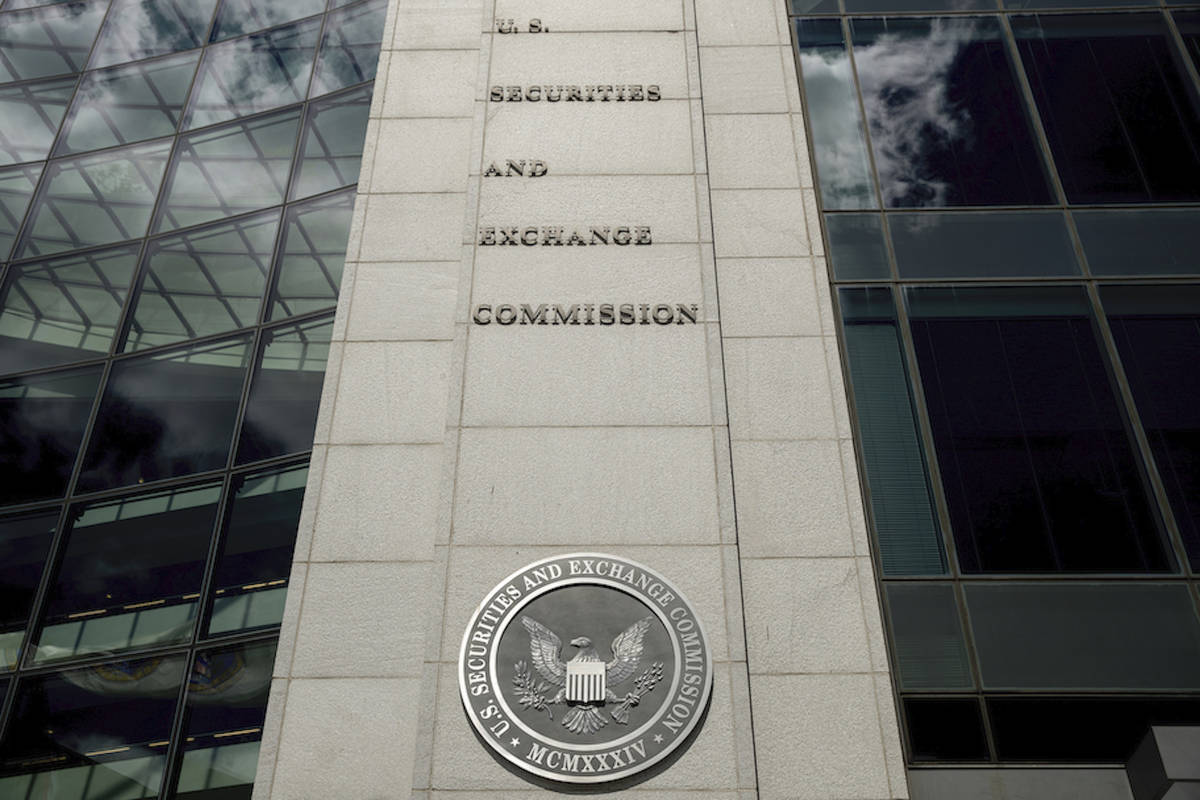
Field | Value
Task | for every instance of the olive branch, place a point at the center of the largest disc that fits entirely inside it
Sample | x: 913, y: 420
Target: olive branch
x: 530, y: 692
x: 644, y: 684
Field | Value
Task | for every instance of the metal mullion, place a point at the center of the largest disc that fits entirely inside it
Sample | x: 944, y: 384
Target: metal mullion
x: 960, y: 600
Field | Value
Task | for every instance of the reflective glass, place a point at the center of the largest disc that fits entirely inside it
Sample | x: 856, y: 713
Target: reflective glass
x: 230, y: 170
x: 166, y: 415
x: 1159, y: 241
x: 856, y: 246
x: 888, y: 6
x: 813, y: 6
x: 203, y: 282
x: 1032, y: 4
x: 1036, y: 462
x: 246, y: 16
x: 255, y: 560
x: 927, y: 634
x: 838, y: 141
x: 945, y: 729
x: 254, y: 73
x: 1121, y: 117
x: 1157, y: 333
x: 333, y: 143
x: 128, y: 104
x: 312, y: 256
x: 96, y: 732
x: 91, y: 200
x: 947, y: 122
x: 24, y: 544
x: 1085, y: 636
x: 63, y: 309
x: 130, y: 574
x: 16, y: 187
x: 350, y: 47
x: 138, y: 29
x: 226, y: 705
x: 1188, y: 23
x: 53, y: 40
x: 282, y: 410
x: 42, y: 418
x: 31, y: 113
x: 991, y: 244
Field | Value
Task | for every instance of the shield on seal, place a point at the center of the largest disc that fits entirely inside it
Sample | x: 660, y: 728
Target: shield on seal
x: 585, y: 681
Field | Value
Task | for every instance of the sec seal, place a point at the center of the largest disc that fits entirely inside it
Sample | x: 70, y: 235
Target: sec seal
x: 585, y: 668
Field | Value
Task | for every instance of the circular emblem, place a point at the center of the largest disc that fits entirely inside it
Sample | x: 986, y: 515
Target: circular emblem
x: 585, y: 668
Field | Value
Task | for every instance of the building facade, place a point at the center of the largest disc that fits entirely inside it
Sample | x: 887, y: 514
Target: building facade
x: 872, y: 325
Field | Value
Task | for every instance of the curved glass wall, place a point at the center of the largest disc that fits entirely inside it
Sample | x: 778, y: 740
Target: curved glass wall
x: 176, y: 185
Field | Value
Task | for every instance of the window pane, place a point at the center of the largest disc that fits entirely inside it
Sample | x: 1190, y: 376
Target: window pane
x: 203, y: 282
x: 31, y: 113
x: 63, y: 309
x: 893, y: 461
x: 862, y: 6
x: 993, y: 244
x: 254, y: 73
x: 246, y: 16
x: 837, y: 129
x: 250, y: 581
x: 96, y: 199
x: 166, y: 415
x: 128, y: 104
x: 24, y: 544
x: 1120, y: 116
x: 1085, y: 636
x: 945, y: 730
x: 312, y: 256
x: 48, y: 41
x: 1157, y: 241
x: 229, y: 171
x: 16, y: 186
x: 42, y: 418
x: 137, y: 29
x: 1037, y: 466
x: 1015, y: 4
x: 350, y: 47
x: 282, y: 410
x: 333, y: 143
x: 130, y: 574
x: 927, y: 634
x: 105, y: 726
x: 1157, y: 332
x: 948, y: 126
x: 226, y: 706
x: 856, y: 246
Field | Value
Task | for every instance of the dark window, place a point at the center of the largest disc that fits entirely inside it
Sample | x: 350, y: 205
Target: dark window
x: 856, y: 246
x: 24, y: 544
x: 1145, y: 241
x: 1037, y: 466
x: 993, y: 244
x: 945, y: 729
x: 928, y: 637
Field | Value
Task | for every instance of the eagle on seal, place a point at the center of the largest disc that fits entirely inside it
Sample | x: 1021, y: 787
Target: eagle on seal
x: 583, y: 717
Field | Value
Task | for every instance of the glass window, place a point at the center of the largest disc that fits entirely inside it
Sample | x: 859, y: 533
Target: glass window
x: 282, y: 410
x: 251, y: 577
x: 105, y: 726
x: 1016, y: 4
x: 856, y: 246
x: 203, y: 282
x: 226, y: 706
x: 1085, y: 636
x: 902, y: 512
x: 31, y: 113
x: 63, y: 309
x: 1157, y: 333
x: 246, y: 16
x: 42, y: 418
x: 1120, y: 115
x: 333, y: 143
x: 254, y: 73
x: 16, y: 187
x: 874, y: 6
x: 945, y: 729
x: 24, y: 545
x: 948, y: 126
x: 1158, y: 241
x: 813, y: 6
x: 53, y: 40
x: 312, y: 256
x: 166, y: 415
x: 97, y: 199
x: 991, y: 244
x: 837, y: 130
x: 128, y: 104
x: 138, y: 29
x: 130, y: 574
x: 928, y: 637
x: 1037, y: 467
x: 230, y: 170
x: 350, y: 47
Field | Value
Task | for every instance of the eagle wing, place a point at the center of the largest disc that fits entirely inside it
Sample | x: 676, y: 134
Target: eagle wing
x: 627, y: 652
x: 544, y: 650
